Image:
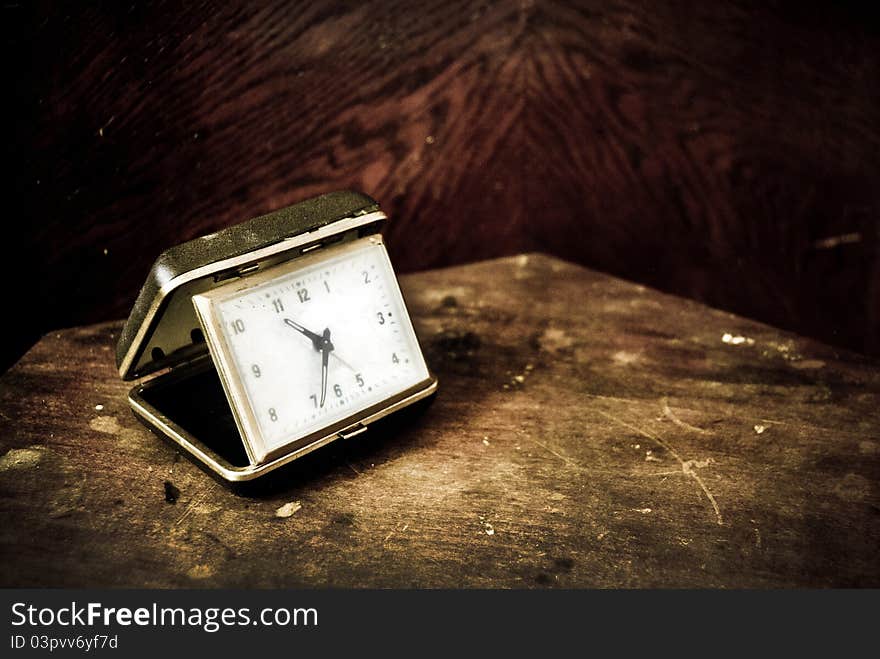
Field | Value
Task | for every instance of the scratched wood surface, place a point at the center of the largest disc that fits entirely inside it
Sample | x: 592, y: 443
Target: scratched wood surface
x: 726, y: 151
x: 588, y: 432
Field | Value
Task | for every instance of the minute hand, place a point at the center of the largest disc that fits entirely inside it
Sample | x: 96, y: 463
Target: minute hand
x: 326, y: 347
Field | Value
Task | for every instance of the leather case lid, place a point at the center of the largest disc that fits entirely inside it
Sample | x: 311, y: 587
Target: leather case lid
x: 162, y: 329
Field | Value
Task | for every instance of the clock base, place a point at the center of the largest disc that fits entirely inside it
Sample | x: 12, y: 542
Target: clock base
x: 196, y: 403
x: 189, y: 408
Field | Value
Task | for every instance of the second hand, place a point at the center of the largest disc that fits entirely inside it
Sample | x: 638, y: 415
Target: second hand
x: 343, y: 362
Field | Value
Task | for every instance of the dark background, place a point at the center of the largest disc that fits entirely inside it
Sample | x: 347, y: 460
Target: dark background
x: 725, y: 151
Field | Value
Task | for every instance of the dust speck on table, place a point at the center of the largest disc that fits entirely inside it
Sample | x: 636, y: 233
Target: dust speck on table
x: 200, y: 571
x: 21, y: 458
x: 288, y: 509
x: 105, y: 424
x: 554, y: 340
x: 172, y: 492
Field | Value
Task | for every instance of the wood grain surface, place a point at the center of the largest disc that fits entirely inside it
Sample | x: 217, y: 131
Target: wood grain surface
x: 587, y: 432
x: 725, y: 151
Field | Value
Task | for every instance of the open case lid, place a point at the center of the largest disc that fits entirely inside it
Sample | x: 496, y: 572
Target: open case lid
x: 162, y: 330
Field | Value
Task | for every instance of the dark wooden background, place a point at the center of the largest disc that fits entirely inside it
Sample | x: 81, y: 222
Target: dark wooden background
x: 726, y: 151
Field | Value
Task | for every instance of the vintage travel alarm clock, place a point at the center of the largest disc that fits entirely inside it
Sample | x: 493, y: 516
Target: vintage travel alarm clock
x: 273, y: 337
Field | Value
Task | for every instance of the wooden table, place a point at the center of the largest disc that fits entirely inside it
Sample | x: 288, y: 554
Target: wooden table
x: 587, y: 432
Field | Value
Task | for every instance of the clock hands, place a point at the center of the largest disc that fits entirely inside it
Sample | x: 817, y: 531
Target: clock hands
x: 317, y: 341
x: 321, y: 343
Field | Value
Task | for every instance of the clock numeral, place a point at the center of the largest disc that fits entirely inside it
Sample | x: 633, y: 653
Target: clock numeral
x: 381, y: 317
x: 337, y: 390
x: 273, y: 414
x: 303, y: 294
x: 359, y: 380
x: 238, y: 326
x: 394, y: 358
x: 327, y: 286
x: 257, y: 372
x: 314, y: 399
x: 366, y: 275
x: 279, y: 307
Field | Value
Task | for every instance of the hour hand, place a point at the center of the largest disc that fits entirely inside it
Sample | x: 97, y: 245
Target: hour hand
x: 316, y: 339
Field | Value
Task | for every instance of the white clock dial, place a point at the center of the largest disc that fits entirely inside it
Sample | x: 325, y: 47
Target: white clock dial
x: 312, y: 342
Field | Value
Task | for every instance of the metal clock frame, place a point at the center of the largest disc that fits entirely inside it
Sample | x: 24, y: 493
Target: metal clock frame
x: 164, y: 313
x: 222, y: 352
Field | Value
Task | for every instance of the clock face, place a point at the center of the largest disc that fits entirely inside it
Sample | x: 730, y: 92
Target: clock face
x: 306, y: 345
